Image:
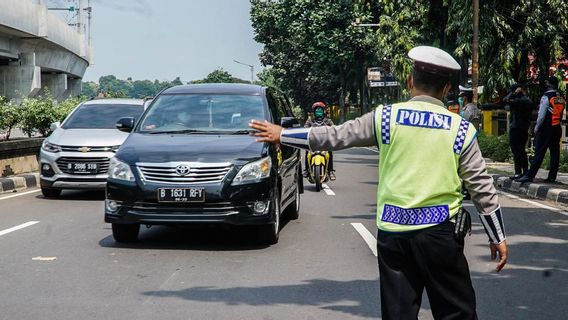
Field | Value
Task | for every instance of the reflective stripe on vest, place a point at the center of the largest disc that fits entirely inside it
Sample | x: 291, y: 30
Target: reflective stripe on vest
x: 557, y: 104
x: 385, y: 124
x: 460, y: 137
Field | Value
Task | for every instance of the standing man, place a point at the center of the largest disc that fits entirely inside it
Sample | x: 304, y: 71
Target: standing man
x: 548, y: 131
x: 469, y: 111
x: 520, y: 112
x: 425, y: 152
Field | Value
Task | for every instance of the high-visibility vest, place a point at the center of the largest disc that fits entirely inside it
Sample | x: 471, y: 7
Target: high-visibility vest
x: 557, y: 105
x: 420, y: 145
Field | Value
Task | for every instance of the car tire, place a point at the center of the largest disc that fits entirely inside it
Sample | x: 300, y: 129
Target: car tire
x: 268, y: 234
x: 293, y: 210
x: 125, y: 232
x: 51, y: 193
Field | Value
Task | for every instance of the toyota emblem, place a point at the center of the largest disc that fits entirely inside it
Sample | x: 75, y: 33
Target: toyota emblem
x: 182, y: 170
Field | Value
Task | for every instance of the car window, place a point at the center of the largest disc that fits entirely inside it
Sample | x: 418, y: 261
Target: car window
x: 276, y: 107
x: 204, y: 112
x: 101, y: 116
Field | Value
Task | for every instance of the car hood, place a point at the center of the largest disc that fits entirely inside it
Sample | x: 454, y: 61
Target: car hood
x: 87, y: 137
x: 205, y: 148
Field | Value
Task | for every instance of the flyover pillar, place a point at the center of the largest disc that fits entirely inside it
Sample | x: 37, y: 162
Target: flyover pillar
x: 20, y: 79
x: 56, y: 84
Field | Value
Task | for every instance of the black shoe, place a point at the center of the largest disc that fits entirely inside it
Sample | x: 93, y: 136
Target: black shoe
x: 516, y: 176
x: 524, y: 179
x: 332, y: 175
x: 548, y: 180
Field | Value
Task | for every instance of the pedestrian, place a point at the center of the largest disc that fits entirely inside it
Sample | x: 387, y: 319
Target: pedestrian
x: 548, y: 131
x: 469, y: 110
x: 425, y: 152
x: 520, y: 109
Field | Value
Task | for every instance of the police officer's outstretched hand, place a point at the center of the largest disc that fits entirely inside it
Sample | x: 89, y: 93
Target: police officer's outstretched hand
x: 500, y: 248
x: 267, y: 132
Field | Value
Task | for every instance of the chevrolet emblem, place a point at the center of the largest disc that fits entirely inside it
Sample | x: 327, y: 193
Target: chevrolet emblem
x: 84, y: 149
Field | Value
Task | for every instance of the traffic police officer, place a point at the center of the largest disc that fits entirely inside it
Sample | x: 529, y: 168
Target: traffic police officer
x: 425, y: 152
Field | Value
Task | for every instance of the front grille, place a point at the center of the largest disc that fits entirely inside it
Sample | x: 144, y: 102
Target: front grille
x: 198, y: 173
x: 85, y: 149
x: 184, y: 208
x: 65, y: 164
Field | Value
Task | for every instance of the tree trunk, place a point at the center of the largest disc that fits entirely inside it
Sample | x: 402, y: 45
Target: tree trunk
x: 342, y: 99
x: 362, y: 94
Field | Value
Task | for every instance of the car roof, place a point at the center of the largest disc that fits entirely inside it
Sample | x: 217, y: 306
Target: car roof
x: 115, y: 101
x: 217, y: 88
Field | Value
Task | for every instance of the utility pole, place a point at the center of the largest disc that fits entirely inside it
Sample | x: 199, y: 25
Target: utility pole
x: 80, y: 17
x: 89, y: 10
x: 475, y: 51
x: 251, y: 70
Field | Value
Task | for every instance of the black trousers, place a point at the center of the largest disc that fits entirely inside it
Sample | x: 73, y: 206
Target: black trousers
x: 430, y: 259
x: 547, y: 139
x: 518, y: 140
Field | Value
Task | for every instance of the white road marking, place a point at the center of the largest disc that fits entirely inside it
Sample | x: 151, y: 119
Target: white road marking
x: 540, y: 205
x: 328, y: 190
x: 16, y: 228
x: 367, y: 236
x: 19, y: 194
x: 371, y: 149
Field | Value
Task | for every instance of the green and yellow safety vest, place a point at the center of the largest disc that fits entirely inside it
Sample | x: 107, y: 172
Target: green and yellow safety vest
x: 420, y: 145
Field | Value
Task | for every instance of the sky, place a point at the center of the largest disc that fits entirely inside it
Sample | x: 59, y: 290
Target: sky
x: 165, y: 39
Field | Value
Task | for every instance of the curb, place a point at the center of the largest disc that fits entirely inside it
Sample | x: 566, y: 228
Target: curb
x: 17, y: 183
x: 540, y: 191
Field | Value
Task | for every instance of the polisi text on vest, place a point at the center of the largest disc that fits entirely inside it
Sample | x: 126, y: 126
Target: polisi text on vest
x: 424, y: 119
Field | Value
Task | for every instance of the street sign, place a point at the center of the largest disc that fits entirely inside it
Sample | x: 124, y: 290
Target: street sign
x: 379, y: 84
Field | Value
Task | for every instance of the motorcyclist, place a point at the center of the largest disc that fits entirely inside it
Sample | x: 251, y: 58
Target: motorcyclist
x: 320, y: 118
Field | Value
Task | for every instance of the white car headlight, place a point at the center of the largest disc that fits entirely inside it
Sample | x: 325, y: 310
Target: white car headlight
x: 254, y: 171
x: 50, y: 147
x: 119, y: 170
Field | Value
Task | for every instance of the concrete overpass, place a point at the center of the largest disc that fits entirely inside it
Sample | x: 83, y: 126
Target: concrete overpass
x: 38, y: 50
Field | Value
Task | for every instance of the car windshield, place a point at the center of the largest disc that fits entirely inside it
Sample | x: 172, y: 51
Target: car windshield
x: 101, y: 116
x: 202, y: 113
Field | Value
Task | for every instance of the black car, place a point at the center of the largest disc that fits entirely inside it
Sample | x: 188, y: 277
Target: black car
x: 190, y: 159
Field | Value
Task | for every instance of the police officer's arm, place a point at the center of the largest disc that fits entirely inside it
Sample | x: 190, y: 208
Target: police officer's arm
x: 543, y: 107
x: 473, y: 172
x: 359, y: 132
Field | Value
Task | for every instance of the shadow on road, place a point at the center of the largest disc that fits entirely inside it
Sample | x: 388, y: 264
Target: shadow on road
x: 355, y: 297
x: 194, y: 237
x: 77, y: 195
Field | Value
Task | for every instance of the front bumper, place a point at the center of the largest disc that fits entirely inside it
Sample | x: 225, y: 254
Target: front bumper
x: 137, y: 202
x: 56, y: 177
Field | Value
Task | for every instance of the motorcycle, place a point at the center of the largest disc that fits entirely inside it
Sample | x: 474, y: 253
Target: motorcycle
x: 318, y: 170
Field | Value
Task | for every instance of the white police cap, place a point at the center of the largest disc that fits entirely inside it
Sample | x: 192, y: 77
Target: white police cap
x: 465, y: 89
x: 433, y: 60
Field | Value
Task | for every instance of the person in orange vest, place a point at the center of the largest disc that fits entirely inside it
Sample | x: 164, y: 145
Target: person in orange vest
x: 548, y: 131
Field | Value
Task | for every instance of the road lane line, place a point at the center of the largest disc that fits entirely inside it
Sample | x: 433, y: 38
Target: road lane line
x: 328, y: 190
x: 19, y: 194
x: 367, y: 236
x: 18, y: 227
x: 540, y: 205
x: 370, y: 149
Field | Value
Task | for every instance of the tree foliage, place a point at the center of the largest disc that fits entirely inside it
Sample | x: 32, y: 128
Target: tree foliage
x: 112, y: 87
x: 313, y: 47
x: 220, y: 76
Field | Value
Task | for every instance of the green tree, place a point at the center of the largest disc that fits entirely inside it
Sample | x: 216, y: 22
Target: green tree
x: 90, y: 89
x: 219, y: 76
x: 9, y: 117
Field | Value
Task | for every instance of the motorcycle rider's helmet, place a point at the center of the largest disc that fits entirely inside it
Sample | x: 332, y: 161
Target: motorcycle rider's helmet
x: 318, y: 109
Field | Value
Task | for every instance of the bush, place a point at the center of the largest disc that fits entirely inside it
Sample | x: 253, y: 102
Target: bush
x: 37, y: 115
x: 495, y: 148
x: 9, y: 117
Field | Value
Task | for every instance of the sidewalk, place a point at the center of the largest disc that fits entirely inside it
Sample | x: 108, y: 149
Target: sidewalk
x: 556, y: 193
x: 19, y: 183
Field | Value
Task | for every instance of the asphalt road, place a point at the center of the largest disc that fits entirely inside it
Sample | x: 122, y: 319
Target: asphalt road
x: 66, y: 265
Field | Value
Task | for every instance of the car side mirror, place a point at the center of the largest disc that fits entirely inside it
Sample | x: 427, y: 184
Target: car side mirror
x: 289, y: 122
x: 54, y: 126
x: 125, y: 124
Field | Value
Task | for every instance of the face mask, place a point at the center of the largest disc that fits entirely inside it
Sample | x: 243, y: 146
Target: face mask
x: 460, y: 101
x: 318, y: 113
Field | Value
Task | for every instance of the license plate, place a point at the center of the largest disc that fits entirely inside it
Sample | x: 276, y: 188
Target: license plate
x: 181, y: 195
x: 83, y: 167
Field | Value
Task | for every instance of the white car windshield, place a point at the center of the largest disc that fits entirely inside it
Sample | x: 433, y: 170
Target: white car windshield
x: 101, y: 116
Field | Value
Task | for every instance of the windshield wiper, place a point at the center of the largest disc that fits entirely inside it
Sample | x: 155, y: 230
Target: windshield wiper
x: 185, y: 131
x: 245, y: 131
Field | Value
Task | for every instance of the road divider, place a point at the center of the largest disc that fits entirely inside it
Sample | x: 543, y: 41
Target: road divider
x: 18, y: 227
x: 367, y: 236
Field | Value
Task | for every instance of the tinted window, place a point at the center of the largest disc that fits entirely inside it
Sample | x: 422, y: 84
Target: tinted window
x: 205, y: 112
x: 101, y: 116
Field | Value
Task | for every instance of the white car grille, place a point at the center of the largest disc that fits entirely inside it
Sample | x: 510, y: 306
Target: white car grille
x: 193, y: 173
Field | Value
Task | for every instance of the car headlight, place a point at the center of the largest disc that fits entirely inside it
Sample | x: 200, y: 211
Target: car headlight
x: 50, y: 147
x: 119, y: 170
x: 254, y: 171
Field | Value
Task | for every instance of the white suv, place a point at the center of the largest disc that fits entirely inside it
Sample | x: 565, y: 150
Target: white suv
x: 77, y: 154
